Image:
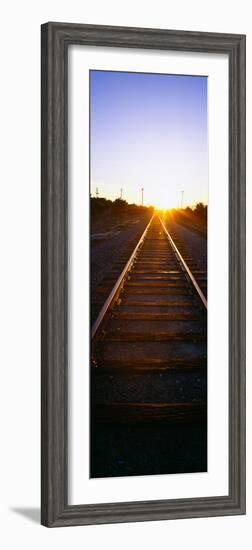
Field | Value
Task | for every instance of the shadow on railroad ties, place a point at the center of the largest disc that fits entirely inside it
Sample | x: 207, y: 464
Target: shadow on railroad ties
x: 130, y: 451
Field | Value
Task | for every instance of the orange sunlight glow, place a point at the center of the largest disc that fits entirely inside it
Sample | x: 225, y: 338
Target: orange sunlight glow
x: 164, y: 202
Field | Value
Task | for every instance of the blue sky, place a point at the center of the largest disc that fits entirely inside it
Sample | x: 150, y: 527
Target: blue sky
x: 149, y: 130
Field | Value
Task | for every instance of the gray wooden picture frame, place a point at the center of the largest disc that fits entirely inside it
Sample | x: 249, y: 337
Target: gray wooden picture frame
x: 56, y: 37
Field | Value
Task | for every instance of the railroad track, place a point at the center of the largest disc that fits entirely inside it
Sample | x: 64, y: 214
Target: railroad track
x: 197, y: 267
x: 100, y: 292
x: 149, y: 354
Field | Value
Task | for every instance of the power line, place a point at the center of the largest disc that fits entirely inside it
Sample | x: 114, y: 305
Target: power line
x: 182, y: 196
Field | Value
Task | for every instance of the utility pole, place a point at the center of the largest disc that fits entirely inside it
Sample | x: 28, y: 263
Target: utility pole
x: 121, y: 194
x: 97, y: 192
x: 182, y: 196
x: 142, y: 191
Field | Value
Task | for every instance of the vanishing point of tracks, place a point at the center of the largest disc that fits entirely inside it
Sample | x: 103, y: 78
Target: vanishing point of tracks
x: 149, y: 341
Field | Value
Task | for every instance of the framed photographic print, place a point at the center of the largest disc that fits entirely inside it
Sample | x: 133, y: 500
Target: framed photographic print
x: 143, y: 274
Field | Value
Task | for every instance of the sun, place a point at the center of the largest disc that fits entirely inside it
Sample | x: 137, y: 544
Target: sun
x: 163, y: 205
x: 165, y: 197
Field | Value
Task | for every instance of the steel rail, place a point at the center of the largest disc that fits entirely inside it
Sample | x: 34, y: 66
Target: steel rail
x: 117, y: 287
x: 185, y: 266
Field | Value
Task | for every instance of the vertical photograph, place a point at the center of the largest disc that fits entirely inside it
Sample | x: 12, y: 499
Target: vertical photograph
x: 148, y: 273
